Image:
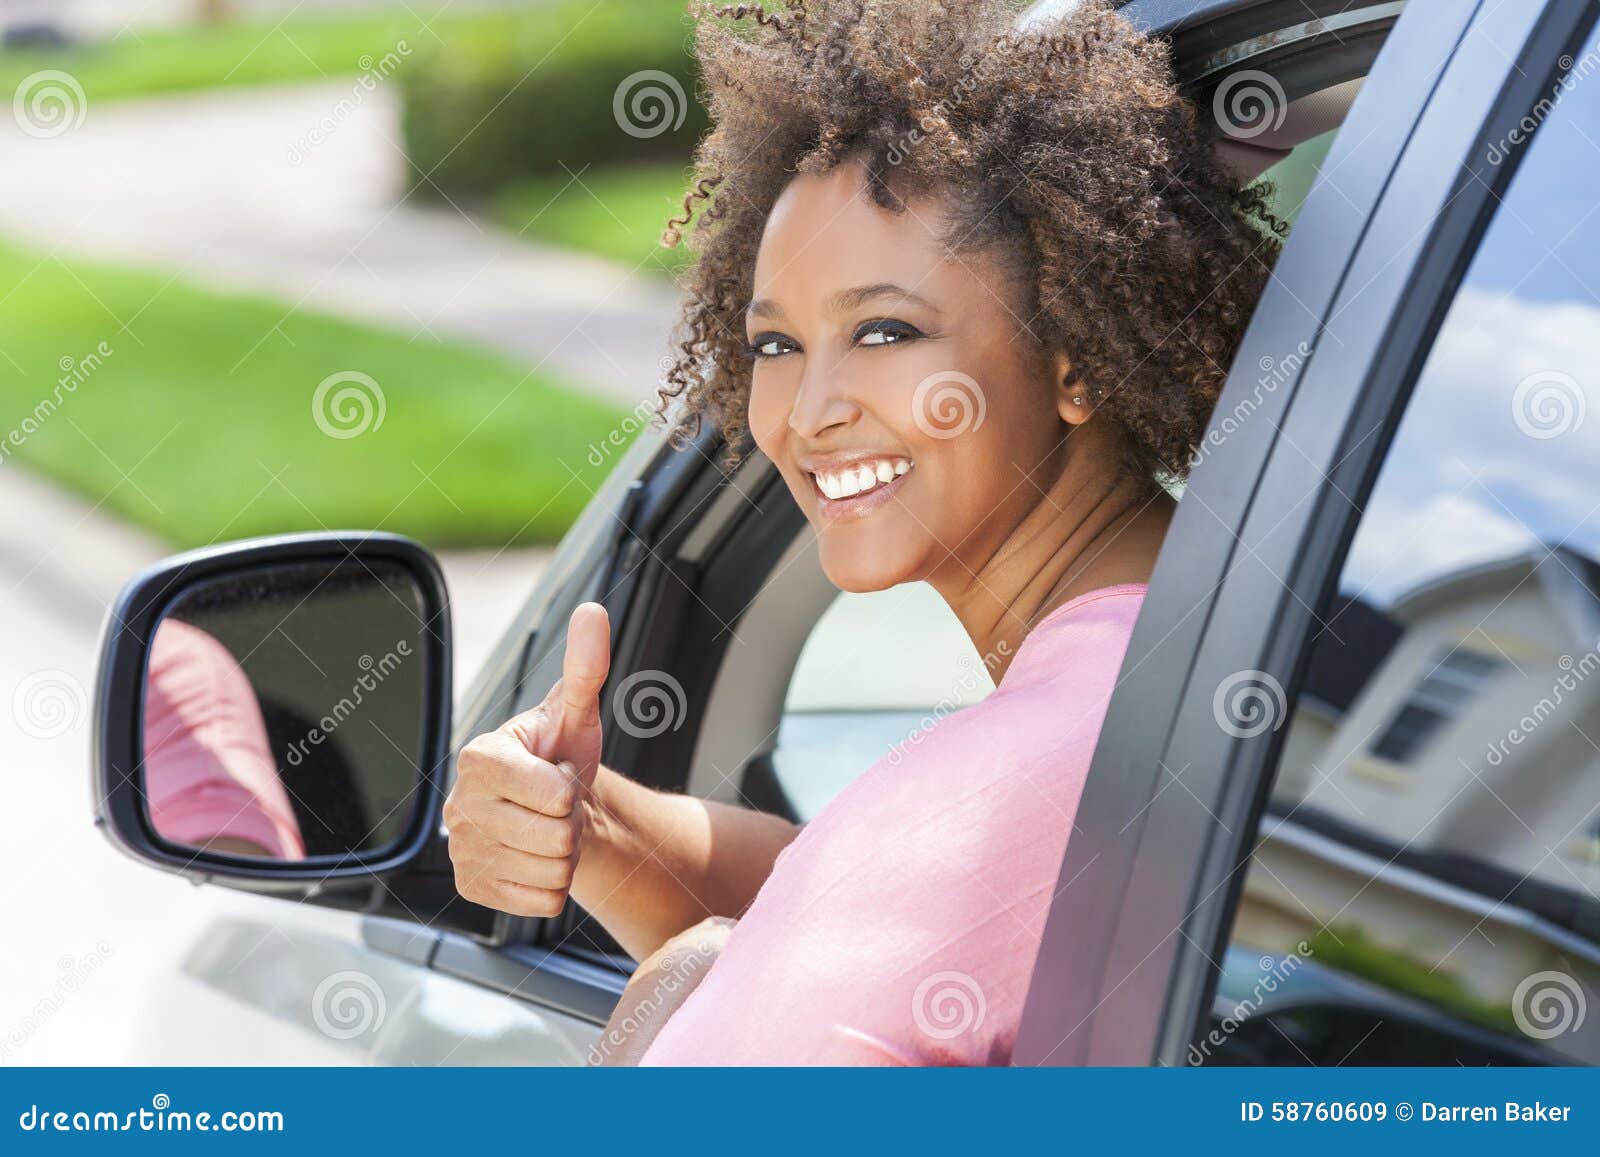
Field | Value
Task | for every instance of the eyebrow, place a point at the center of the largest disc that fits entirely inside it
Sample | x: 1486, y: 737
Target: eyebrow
x: 845, y: 299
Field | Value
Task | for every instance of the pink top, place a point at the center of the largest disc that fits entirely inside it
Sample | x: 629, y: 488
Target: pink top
x: 208, y: 766
x: 902, y: 924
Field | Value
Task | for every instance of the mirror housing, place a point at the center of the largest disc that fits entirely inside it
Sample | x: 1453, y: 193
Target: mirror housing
x: 239, y: 592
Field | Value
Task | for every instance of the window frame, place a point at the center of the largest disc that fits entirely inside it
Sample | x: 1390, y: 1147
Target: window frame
x: 1127, y: 969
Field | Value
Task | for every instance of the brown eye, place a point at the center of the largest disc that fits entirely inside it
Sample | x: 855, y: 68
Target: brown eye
x: 886, y: 332
x: 769, y: 345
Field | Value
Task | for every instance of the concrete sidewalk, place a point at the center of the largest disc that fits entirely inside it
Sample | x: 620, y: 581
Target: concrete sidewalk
x: 203, y: 185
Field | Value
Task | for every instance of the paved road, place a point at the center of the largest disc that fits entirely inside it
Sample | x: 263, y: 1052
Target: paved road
x: 85, y: 930
x: 204, y: 184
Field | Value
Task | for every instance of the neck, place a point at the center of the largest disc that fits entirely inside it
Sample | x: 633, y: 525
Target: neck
x: 1095, y: 527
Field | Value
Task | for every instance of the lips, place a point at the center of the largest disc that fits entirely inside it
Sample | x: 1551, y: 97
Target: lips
x: 855, y: 485
x: 859, y: 477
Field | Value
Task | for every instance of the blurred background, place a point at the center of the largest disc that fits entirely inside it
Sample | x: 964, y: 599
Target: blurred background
x: 279, y: 265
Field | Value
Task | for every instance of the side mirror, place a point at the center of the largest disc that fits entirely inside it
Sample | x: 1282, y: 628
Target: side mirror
x: 275, y: 714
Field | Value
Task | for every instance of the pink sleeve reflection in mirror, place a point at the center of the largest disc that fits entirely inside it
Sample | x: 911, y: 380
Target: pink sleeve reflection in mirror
x: 210, y: 777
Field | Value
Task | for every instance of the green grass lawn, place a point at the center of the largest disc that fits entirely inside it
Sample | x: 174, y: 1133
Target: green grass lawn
x: 302, y: 46
x: 199, y: 423
x: 613, y: 212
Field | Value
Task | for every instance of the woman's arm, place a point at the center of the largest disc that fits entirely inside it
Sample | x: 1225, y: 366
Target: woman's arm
x: 659, y: 987
x: 533, y: 815
x: 652, y: 864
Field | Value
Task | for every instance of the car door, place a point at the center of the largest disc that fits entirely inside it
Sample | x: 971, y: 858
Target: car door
x: 1297, y: 805
x: 720, y: 612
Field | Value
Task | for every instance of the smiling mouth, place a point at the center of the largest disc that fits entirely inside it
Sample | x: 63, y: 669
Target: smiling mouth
x: 861, y: 486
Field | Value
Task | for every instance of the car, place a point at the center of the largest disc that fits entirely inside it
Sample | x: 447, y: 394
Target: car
x: 1345, y: 806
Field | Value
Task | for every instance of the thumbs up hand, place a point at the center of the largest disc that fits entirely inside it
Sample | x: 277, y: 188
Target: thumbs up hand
x: 515, y: 814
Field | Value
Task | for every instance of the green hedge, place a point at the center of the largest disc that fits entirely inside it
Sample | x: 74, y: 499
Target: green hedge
x: 535, y: 93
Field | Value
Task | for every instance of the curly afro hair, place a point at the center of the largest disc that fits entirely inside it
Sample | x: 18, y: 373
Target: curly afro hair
x: 1064, y: 145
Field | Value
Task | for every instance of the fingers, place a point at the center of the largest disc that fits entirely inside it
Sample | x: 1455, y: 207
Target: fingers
x: 586, y: 664
x: 498, y: 765
x: 503, y: 822
x: 520, y: 900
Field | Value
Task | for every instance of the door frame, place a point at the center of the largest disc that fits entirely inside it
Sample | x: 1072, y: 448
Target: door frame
x: 1127, y: 968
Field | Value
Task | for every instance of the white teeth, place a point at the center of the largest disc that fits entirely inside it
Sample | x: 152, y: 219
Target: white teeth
x: 853, y: 480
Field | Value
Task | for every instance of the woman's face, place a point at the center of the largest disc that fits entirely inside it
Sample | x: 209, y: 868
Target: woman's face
x: 915, y: 424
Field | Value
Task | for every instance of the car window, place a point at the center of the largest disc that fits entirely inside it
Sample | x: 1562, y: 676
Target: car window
x: 1424, y: 883
x: 876, y: 670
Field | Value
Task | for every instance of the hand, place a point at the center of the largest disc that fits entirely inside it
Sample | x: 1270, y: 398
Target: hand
x: 515, y: 813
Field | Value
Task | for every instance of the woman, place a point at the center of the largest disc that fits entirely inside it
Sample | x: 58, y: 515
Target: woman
x: 974, y: 292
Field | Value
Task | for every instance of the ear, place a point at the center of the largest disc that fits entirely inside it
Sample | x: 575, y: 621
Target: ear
x: 1072, y: 396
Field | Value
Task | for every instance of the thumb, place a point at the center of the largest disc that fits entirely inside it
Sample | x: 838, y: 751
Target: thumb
x: 585, y: 666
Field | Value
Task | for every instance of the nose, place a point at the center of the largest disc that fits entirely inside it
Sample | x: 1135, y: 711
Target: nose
x: 821, y: 403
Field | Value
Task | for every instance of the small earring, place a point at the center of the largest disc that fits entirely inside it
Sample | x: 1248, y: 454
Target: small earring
x: 1077, y: 399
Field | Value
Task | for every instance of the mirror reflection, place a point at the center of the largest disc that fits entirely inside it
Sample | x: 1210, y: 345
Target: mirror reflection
x: 283, y: 711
